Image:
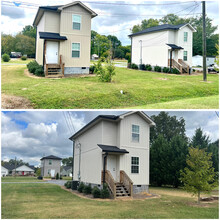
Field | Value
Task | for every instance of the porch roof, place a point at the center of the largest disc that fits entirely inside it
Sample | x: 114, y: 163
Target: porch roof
x: 112, y: 149
x: 175, y: 47
x: 51, y: 36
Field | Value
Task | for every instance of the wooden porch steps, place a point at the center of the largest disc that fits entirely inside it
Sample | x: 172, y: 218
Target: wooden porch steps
x: 121, y: 190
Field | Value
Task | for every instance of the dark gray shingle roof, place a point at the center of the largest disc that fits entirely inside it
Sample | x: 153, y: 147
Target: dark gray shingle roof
x: 175, y: 47
x: 52, y: 36
x: 8, y: 166
x: 159, y: 28
x: 51, y: 157
x: 112, y: 149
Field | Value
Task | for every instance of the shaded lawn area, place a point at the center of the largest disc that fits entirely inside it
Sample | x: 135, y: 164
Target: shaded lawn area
x: 20, y: 179
x: 140, y: 88
x: 50, y: 201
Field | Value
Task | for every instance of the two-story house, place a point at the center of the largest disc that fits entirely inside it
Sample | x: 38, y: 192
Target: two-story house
x: 63, y: 38
x: 164, y: 45
x: 50, y: 166
x: 115, y: 150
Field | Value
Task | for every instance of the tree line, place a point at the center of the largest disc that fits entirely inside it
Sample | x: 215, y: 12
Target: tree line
x: 169, y: 147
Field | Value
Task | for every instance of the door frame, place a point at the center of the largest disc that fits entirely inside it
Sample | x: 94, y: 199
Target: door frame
x: 45, y: 51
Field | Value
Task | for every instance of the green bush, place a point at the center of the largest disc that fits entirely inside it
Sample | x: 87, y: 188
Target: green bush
x: 194, y: 70
x: 68, y: 184
x: 134, y: 66
x: 102, y: 59
x: 57, y: 176
x: 23, y: 58
x: 104, y: 192
x: 39, y: 71
x: 157, y: 69
x: 105, y: 74
x: 5, y: 57
x: 96, y: 192
x: 32, y: 66
x: 148, y: 67
x: 91, y: 69
x: 166, y: 70
x: 175, y: 71
x: 81, y: 187
x: 142, y: 67
x: 87, y: 189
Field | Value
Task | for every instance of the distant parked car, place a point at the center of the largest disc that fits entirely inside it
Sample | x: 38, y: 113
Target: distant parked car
x: 15, y: 55
x: 213, y: 68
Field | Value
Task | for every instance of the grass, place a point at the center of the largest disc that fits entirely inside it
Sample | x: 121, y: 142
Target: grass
x: 20, y: 179
x: 67, y: 178
x: 147, y: 89
x: 46, y: 201
x: 17, y: 61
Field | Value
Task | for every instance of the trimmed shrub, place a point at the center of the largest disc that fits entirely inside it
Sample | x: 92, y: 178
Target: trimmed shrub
x: 57, y: 176
x: 23, y: 58
x: 87, y: 189
x: 194, y: 70
x: 68, y: 184
x: 102, y: 59
x: 157, y: 69
x: 32, y: 66
x: 142, y: 67
x: 134, y: 66
x: 81, y: 187
x: 104, y: 192
x: 148, y: 67
x: 39, y: 177
x: 175, y: 71
x: 91, y: 69
x: 39, y: 71
x: 166, y: 70
x: 5, y: 57
x: 96, y: 192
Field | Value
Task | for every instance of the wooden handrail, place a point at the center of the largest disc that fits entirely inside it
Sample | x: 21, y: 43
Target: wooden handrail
x: 126, y: 181
x: 110, y: 182
x: 184, y: 64
x: 176, y: 65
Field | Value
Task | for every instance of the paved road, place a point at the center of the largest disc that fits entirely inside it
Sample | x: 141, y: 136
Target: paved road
x: 57, y: 182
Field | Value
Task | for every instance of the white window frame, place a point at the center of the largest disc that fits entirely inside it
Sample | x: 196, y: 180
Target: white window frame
x: 79, y: 50
x: 185, y: 51
x: 135, y: 165
x: 185, y: 38
x: 50, y: 162
x: 136, y: 133
x: 80, y: 27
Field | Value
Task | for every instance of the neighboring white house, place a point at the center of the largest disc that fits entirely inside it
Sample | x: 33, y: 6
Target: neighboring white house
x: 23, y: 170
x: 160, y: 44
x: 198, y: 60
x: 4, y: 171
x: 115, y: 150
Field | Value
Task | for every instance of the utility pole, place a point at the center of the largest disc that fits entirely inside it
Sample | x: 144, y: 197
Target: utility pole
x: 204, y: 40
x: 140, y: 52
x: 15, y: 166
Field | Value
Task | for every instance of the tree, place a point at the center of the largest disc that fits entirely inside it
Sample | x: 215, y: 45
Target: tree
x: 17, y: 162
x: 214, y: 149
x: 29, y: 31
x: 200, y: 140
x: 67, y: 161
x: 145, y: 24
x: 8, y: 44
x: 173, y: 19
x: 199, y: 175
x: 38, y: 171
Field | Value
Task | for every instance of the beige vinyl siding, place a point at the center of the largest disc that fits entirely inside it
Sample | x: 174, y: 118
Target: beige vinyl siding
x: 52, y: 22
x: 82, y: 36
x: 40, y: 42
x: 91, y: 155
x: 110, y: 133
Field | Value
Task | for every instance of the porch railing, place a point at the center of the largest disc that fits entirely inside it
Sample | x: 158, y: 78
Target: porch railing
x: 185, y: 65
x: 126, y: 181
x: 176, y: 65
x: 110, y: 182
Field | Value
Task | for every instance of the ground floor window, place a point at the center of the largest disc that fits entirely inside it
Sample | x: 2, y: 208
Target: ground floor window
x: 185, y: 55
x: 48, y: 172
x: 75, y: 50
x: 134, y: 164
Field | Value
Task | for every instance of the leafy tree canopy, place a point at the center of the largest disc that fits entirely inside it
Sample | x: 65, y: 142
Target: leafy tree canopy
x: 67, y: 161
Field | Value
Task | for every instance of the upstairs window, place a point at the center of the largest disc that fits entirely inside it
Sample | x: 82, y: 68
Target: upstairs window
x: 134, y: 164
x: 75, y: 50
x: 185, y: 55
x: 50, y: 162
x: 76, y: 19
x: 135, y: 133
x: 185, y: 36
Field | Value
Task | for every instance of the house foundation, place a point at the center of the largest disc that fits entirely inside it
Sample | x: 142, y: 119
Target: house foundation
x: 75, y: 70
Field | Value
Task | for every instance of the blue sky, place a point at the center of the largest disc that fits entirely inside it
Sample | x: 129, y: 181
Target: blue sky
x: 31, y: 135
x: 115, y: 19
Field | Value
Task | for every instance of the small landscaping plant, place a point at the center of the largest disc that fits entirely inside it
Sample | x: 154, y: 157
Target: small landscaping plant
x: 87, y: 189
x: 35, y: 68
x: 91, y: 69
x: 102, y: 59
x: 157, y: 69
x: 104, y: 192
x: 81, y: 187
x: 57, y: 176
x: 175, y: 71
x: 134, y: 66
x: 96, y: 192
x: 148, y: 67
x: 23, y: 58
x: 166, y: 70
x: 142, y: 67
x: 5, y: 57
x: 39, y: 177
x: 68, y: 184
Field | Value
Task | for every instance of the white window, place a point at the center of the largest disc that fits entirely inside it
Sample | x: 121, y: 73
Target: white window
x: 185, y: 55
x: 76, y: 19
x: 50, y: 162
x: 185, y: 36
x: 75, y: 49
x: 135, y: 133
x: 134, y: 164
x: 49, y: 171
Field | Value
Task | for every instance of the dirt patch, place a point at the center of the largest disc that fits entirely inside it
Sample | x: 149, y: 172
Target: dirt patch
x: 203, y: 204
x: 27, y: 73
x: 15, y: 102
x: 162, y: 78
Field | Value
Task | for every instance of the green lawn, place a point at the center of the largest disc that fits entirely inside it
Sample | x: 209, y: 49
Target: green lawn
x: 16, y: 61
x: 20, y: 179
x: 48, y: 201
x: 141, y: 89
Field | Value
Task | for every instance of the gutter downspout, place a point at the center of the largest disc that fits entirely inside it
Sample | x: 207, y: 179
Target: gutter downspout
x: 104, y: 166
x: 79, y: 176
x: 36, y: 44
x: 73, y: 158
x: 171, y: 51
